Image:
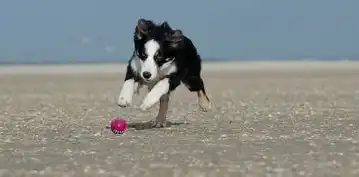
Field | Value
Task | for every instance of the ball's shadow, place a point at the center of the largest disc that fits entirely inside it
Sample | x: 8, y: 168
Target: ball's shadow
x: 149, y: 125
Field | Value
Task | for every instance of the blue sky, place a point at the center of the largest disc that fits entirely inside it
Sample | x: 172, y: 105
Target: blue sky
x: 43, y: 30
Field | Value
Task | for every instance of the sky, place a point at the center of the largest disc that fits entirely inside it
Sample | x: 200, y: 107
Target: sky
x: 88, y: 30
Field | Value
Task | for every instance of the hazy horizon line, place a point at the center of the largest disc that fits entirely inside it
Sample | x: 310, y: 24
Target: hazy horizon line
x: 124, y: 61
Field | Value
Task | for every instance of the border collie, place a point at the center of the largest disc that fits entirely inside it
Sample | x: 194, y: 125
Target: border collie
x: 163, y: 58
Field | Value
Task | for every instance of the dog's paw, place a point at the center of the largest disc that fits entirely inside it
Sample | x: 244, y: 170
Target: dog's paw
x: 149, y: 101
x: 155, y: 94
x: 146, y: 105
x: 124, y: 101
x: 204, y: 104
x: 160, y: 124
x: 203, y: 101
x: 126, y: 94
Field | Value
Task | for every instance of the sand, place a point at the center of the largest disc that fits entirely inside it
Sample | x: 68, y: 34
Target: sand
x: 267, y: 119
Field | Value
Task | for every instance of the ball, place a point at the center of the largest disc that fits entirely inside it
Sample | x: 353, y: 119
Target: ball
x: 118, y: 125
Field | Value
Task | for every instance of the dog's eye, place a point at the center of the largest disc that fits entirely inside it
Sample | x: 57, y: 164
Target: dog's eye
x: 157, y: 53
x: 158, y: 56
x: 141, y: 55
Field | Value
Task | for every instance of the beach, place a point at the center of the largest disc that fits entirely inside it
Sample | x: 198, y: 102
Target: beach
x: 280, y: 118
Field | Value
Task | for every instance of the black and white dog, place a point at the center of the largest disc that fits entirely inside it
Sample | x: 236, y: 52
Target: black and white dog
x: 163, y: 59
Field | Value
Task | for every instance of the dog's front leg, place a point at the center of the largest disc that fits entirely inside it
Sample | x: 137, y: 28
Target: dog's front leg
x: 161, y: 92
x: 160, y: 89
x: 128, y: 89
x: 126, y: 94
x: 162, y: 112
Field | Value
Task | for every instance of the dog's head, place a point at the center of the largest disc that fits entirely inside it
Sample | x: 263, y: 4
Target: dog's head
x: 158, y: 50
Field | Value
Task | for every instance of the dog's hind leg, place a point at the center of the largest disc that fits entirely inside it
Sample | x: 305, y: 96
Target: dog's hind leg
x: 195, y: 84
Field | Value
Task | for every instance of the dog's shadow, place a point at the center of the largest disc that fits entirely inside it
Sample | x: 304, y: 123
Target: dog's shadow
x: 149, y: 125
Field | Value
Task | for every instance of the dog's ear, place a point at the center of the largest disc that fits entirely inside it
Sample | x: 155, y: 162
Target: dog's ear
x: 175, y: 37
x: 142, y: 27
x: 165, y: 25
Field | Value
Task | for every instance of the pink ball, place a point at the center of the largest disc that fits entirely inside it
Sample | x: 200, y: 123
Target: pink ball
x: 118, y: 125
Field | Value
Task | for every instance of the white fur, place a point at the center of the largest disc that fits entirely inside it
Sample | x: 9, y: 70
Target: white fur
x: 126, y: 93
x: 161, y: 88
x: 167, y: 68
x: 135, y: 64
x: 149, y: 64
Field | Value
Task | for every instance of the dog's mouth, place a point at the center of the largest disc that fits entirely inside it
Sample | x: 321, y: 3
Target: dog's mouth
x: 146, y: 80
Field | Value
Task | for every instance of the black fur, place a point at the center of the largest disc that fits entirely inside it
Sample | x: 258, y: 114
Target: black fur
x: 174, y: 45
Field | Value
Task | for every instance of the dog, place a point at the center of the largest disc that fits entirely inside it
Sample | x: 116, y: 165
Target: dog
x: 163, y: 58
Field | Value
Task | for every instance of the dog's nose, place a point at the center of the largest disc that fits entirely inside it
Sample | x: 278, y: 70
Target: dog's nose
x: 146, y: 74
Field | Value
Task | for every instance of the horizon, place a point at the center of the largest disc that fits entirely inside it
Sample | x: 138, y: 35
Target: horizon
x: 205, y: 60
x: 89, y: 31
